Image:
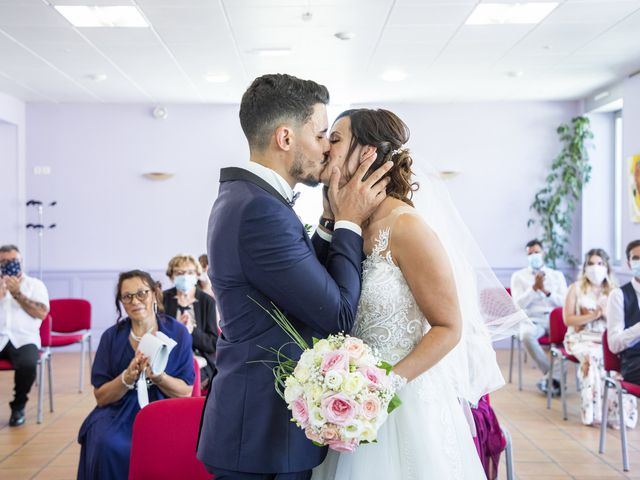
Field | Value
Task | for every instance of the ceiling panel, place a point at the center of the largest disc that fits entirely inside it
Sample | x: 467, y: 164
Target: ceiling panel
x: 608, y: 11
x: 430, y: 14
x: 16, y: 14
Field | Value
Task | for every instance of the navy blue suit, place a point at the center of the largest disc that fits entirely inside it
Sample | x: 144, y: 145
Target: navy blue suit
x: 258, y: 248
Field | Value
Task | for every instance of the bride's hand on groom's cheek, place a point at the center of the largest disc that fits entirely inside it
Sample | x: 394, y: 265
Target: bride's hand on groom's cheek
x: 357, y: 199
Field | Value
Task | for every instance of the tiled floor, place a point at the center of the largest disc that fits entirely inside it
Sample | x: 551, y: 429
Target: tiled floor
x: 545, y: 446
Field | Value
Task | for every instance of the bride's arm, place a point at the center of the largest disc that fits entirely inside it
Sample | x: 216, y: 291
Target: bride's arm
x: 424, y: 263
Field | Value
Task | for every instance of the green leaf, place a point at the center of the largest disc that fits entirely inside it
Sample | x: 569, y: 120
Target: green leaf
x: 387, y: 367
x: 394, y: 403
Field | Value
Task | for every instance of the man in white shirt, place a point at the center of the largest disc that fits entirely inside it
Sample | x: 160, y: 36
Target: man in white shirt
x: 538, y: 289
x: 623, y: 319
x: 24, y: 303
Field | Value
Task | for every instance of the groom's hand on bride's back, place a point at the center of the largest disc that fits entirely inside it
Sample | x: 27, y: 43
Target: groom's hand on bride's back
x: 357, y: 199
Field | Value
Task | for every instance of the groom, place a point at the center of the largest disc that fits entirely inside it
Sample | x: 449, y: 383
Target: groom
x: 259, y: 250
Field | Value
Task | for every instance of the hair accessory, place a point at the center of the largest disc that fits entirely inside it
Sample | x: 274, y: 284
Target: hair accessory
x: 397, y: 151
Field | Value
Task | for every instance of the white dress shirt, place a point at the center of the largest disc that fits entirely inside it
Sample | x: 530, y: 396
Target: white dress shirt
x: 16, y: 325
x: 535, y: 303
x: 621, y: 338
x: 274, y: 179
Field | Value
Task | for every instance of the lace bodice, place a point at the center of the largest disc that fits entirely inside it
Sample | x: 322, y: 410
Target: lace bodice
x: 388, y: 318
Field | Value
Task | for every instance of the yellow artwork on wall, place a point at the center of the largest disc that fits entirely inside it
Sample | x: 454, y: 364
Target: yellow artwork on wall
x: 634, y: 185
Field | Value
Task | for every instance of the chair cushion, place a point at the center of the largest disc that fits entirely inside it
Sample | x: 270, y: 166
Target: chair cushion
x: 632, y: 388
x: 62, y: 340
x: 544, y: 340
x: 6, y: 365
x: 568, y: 356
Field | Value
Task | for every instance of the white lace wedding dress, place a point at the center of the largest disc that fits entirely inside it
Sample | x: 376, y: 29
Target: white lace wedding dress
x: 428, y: 437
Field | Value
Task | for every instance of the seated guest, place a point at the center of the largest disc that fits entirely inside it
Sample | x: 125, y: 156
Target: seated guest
x: 585, y: 315
x: 538, y: 289
x: 105, y: 435
x: 195, y: 310
x: 623, y: 319
x: 24, y: 303
x: 204, y: 283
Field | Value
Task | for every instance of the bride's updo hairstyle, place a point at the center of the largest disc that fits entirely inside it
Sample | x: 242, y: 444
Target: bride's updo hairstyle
x: 385, y: 131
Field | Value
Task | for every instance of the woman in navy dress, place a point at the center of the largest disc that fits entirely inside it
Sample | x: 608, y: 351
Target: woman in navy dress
x: 105, y: 435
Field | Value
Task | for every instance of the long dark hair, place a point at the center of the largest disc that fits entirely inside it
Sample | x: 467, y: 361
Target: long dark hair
x: 388, y: 133
x: 155, y: 287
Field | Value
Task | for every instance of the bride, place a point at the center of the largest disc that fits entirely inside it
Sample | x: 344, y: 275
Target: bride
x: 429, y: 305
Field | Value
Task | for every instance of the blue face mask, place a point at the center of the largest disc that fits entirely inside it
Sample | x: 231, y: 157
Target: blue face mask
x: 184, y: 283
x: 535, y: 261
x: 635, y: 268
x: 12, y: 268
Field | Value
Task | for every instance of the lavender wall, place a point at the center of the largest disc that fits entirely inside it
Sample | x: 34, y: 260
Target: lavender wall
x: 503, y: 152
x: 630, y: 146
x: 12, y: 168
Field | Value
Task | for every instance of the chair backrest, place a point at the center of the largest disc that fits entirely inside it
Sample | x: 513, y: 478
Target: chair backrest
x: 557, y: 328
x: 70, y: 315
x: 611, y: 360
x: 163, y: 445
x: 508, y: 290
x: 197, y: 384
x: 45, y: 331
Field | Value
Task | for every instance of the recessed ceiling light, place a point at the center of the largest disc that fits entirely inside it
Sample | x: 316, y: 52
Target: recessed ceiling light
x: 216, y: 77
x: 271, y: 52
x: 97, y: 77
x: 345, y: 35
x: 394, y: 75
x: 307, y: 16
x: 121, y: 16
x: 510, y: 13
x: 514, y: 73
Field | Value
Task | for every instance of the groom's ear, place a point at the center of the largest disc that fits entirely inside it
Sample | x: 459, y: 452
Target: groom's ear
x: 284, y: 137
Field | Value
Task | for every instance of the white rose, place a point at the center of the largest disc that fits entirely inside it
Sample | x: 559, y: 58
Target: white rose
x: 307, y: 358
x: 292, y: 391
x: 353, y: 383
x: 314, y: 392
x: 316, y: 418
x: 352, y: 430
x: 368, y: 432
x: 333, y: 379
x: 302, y: 373
x: 322, y: 346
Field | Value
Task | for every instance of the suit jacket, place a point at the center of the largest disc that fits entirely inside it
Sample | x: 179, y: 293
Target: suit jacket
x: 205, y: 335
x: 259, y: 250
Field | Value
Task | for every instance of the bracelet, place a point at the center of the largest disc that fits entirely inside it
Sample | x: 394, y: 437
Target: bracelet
x: 129, y: 387
x: 327, y: 223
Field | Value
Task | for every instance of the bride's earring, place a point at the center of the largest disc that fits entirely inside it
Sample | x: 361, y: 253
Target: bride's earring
x: 155, y: 308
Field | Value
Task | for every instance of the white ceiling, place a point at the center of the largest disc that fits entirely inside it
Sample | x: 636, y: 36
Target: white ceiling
x: 581, y: 46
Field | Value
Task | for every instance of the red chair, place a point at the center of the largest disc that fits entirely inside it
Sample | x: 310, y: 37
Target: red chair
x: 71, y: 325
x: 557, y: 331
x: 167, y: 430
x: 612, y: 364
x: 44, y: 357
x: 197, y: 386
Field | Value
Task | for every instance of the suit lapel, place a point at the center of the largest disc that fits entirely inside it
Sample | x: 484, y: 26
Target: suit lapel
x: 234, y: 173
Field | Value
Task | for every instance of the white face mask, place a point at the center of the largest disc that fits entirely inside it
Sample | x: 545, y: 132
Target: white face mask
x: 596, y: 273
x: 535, y: 261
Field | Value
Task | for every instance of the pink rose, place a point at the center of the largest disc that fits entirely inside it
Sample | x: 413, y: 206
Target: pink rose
x: 336, y: 360
x: 330, y: 433
x: 338, y: 408
x: 370, y: 407
x: 340, y: 446
x: 299, y: 411
x: 313, y: 435
x: 375, y: 375
x: 354, y: 347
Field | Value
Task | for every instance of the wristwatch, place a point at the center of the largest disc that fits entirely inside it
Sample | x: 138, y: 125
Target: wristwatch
x: 327, y: 223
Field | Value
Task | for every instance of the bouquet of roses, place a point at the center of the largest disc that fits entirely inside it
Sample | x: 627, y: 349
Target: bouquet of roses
x: 339, y: 393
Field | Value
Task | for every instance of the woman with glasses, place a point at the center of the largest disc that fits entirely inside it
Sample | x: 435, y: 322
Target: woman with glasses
x: 196, y: 310
x: 105, y: 435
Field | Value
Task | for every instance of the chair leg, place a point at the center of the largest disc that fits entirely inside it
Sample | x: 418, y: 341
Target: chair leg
x: 89, y: 350
x: 604, y: 417
x: 550, y: 379
x: 623, y: 433
x: 513, y: 339
x: 563, y: 381
x: 50, y: 370
x: 40, y: 389
x: 509, y: 454
x: 81, y: 365
x: 519, y: 364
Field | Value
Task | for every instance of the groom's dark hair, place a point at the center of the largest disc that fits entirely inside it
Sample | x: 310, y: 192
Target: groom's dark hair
x: 274, y: 98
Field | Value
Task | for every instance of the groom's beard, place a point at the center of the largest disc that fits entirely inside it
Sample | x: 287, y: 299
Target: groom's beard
x: 297, y: 171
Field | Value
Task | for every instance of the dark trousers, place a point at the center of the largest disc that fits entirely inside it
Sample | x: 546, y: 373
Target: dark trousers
x: 221, y: 474
x: 25, y: 361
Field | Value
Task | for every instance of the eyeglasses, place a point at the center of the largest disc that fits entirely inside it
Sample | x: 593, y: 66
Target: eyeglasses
x: 141, y: 295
